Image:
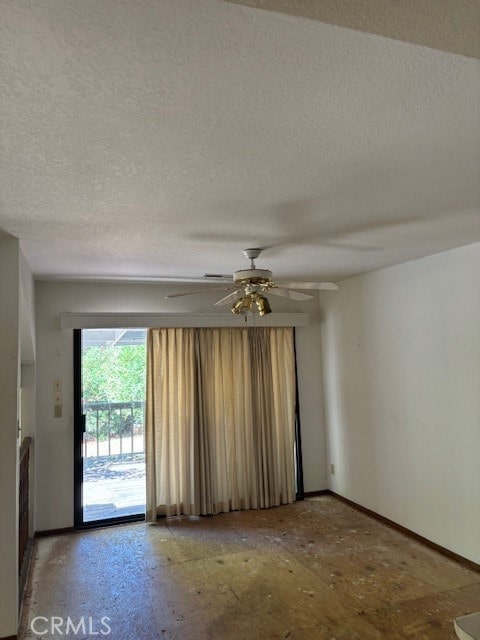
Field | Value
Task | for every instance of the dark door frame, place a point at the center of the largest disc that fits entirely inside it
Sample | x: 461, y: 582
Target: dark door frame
x: 300, y: 494
x: 78, y: 429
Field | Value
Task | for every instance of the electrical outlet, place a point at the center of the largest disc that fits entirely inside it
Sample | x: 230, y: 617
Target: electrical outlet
x: 332, y: 469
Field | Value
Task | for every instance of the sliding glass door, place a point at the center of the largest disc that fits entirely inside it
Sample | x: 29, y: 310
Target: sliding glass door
x: 109, y: 426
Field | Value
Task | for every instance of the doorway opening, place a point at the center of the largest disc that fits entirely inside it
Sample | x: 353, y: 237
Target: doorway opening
x: 110, y: 386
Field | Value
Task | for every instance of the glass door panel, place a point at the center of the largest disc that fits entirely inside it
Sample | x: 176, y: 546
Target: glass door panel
x: 113, y: 373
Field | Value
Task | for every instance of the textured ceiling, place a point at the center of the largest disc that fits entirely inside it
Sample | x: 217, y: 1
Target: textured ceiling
x: 159, y: 139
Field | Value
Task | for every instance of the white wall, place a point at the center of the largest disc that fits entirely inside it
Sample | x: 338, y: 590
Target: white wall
x: 9, y: 380
x: 28, y: 397
x: 28, y: 410
x: 401, y: 351
x: 27, y: 312
x: 54, y: 453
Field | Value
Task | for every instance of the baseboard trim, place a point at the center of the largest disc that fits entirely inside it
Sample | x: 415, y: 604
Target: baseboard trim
x: 469, y: 564
x: 314, y: 494
x: 53, y: 532
x: 10, y: 638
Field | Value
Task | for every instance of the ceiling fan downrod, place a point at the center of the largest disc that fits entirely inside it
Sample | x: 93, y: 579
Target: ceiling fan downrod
x: 252, y: 254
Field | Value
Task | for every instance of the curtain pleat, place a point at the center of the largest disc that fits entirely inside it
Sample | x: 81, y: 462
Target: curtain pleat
x: 220, y: 420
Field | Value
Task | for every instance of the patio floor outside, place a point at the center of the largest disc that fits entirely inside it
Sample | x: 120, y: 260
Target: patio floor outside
x: 113, y: 486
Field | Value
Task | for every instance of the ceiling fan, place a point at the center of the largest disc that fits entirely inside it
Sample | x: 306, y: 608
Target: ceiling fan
x: 249, y: 286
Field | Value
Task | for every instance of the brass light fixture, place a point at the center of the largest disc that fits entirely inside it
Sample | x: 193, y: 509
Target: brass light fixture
x: 245, y: 306
x: 263, y: 305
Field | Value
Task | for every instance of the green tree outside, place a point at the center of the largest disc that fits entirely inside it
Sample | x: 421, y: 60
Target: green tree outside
x: 114, y: 374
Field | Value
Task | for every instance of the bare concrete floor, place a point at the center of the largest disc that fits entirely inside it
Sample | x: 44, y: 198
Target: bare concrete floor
x: 314, y: 570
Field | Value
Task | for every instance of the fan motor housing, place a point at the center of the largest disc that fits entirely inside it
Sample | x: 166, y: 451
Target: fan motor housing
x: 255, y: 276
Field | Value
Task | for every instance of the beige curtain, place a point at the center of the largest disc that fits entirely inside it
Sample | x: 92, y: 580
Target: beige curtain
x: 220, y: 420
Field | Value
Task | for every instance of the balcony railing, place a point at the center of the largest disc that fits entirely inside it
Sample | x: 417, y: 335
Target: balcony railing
x: 114, y: 428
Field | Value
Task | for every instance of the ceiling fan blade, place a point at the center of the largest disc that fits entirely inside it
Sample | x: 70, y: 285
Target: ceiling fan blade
x: 192, y: 293
x: 319, y: 286
x: 230, y: 297
x: 288, y: 293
